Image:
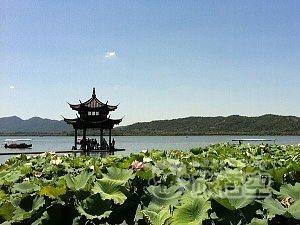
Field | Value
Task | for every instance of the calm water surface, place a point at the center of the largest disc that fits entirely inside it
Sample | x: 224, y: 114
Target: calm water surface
x: 138, y: 143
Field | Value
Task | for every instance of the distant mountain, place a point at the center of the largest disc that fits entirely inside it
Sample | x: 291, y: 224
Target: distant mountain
x: 35, y: 125
x: 232, y: 125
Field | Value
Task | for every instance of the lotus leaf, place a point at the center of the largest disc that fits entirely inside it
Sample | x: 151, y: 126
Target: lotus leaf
x: 278, y: 173
x: 12, y: 177
x: 288, y: 190
x: 78, y: 182
x: 28, y: 207
x: 163, y: 196
x: 219, y: 184
x: 118, y: 174
x: 193, y: 212
x: 256, y: 221
x: 110, y: 189
x: 94, y: 207
x: 273, y: 206
x: 157, y: 218
x: 294, y: 209
x: 25, y: 187
x: 6, y: 210
x: 237, y: 198
x: 148, y: 172
x: 52, y: 192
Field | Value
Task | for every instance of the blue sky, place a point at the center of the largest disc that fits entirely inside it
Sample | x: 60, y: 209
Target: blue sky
x: 158, y: 59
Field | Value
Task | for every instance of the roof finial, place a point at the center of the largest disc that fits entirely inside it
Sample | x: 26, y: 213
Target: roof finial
x: 94, y: 93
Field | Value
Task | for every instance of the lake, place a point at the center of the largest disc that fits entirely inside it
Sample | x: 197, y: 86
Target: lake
x: 138, y: 143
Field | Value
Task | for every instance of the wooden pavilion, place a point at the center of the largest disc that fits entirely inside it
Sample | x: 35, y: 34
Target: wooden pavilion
x: 93, y: 114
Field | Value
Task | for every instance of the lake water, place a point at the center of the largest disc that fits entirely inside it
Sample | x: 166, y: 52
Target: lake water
x: 138, y: 143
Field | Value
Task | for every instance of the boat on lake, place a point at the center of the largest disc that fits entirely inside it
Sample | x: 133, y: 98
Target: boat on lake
x: 17, y: 143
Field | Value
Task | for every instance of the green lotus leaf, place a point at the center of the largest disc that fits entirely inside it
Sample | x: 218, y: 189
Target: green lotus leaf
x: 145, y: 174
x: 12, y: 177
x: 277, y: 174
x: 148, y: 171
x: 2, y: 176
x: 257, y: 182
x: 155, y: 154
x: 195, y: 187
x: 294, y: 210
x: 157, y: 218
x: 163, y: 196
x: 30, y: 203
x: 287, y: 190
x: 256, y: 221
x: 192, y: 213
x: 18, y: 162
x: 175, y: 162
x: 94, y: 207
x: 180, y: 170
x: 229, y: 176
x: 6, y: 223
x: 6, y: 210
x: 273, y: 206
x: 3, y: 196
x: 123, y: 163
x: 57, y: 213
x: 26, y: 169
x: 38, y: 221
x: 78, y: 182
x: 21, y: 214
x: 52, y: 192
x: 76, y: 221
x: 28, y: 207
x: 232, y: 162
x: 25, y: 187
x: 109, y: 189
x: 124, y: 223
x: 118, y: 174
x: 295, y: 166
x: 37, y: 202
x: 237, y: 198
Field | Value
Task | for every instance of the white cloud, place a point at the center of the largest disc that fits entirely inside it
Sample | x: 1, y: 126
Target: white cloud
x: 11, y: 87
x: 110, y: 55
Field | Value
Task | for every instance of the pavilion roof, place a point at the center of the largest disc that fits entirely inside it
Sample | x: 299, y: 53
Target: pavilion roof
x: 80, y: 123
x: 93, y: 103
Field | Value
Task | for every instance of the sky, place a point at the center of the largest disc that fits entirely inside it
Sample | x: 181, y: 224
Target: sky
x: 156, y: 59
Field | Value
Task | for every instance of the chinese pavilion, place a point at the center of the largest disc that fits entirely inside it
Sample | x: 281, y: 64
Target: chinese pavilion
x: 93, y: 114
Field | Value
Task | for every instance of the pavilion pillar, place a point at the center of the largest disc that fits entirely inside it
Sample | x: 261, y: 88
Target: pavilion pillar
x: 109, y: 139
x: 101, y: 138
x: 75, y: 143
x: 84, y: 139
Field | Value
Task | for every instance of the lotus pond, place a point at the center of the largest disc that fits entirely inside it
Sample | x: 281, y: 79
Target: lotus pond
x: 216, y: 184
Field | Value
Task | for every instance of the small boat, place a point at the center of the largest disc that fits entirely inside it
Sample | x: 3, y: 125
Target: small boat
x: 17, y: 143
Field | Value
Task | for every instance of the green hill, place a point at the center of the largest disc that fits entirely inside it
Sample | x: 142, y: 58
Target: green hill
x: 34, y: 126
x: 231, y: 125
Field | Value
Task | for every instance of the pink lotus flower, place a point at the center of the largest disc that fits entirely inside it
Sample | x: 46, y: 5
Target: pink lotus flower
x: 137, y: 165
